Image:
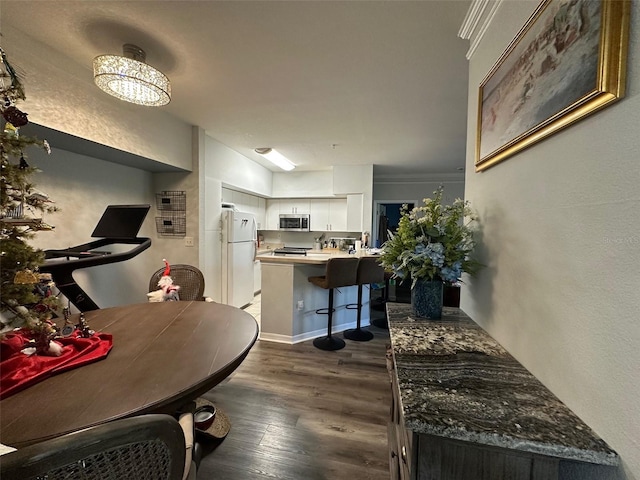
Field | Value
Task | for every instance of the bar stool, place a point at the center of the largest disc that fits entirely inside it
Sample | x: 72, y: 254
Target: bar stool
x: 381, y: 304
x: 369, y: 271
x: 340, y: 272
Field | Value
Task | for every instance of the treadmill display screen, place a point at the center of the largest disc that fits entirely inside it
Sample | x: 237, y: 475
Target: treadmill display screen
x: 121, y: 221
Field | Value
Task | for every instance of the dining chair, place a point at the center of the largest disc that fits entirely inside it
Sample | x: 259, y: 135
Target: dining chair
x: 191, y: 282
x: 146, y: 447
x: 189, y: 278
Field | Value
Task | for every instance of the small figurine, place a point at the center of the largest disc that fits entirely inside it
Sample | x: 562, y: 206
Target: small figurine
x: 85, y: 331
x: 44, y: 343
x: 168, y: 291
x: 68, y: 328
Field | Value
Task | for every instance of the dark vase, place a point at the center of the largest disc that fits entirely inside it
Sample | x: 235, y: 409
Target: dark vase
x: 426, y: 298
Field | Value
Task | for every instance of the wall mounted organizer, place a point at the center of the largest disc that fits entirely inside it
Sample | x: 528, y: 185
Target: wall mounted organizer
x: 172, y: 209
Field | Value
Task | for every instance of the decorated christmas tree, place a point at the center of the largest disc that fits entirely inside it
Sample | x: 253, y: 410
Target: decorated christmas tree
x: 26, y: 297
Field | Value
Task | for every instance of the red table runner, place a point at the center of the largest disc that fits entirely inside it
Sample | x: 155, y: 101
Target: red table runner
x: 19, y: 371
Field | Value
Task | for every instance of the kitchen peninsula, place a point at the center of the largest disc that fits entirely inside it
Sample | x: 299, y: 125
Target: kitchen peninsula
x: 289, y: 302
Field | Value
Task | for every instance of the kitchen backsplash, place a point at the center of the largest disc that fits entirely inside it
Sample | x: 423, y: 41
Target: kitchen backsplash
x: 302, y: 239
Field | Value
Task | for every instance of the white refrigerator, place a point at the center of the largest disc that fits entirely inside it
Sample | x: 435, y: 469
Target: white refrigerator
x: 239, y: 234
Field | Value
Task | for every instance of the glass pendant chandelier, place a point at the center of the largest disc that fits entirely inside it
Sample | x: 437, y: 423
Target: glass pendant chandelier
x: 130, y: 79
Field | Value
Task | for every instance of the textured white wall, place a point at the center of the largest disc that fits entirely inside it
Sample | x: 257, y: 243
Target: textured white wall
x: 82, y: 187
x: 302, y: 184
x: 561, y: 243
x: 416, y: 191
x: 61, y: 95
x: 234, y: 169
x: 221, y: 165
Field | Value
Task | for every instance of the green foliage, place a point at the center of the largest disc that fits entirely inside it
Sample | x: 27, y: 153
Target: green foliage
x: 18, y: 256
x: 433, y: 241
x: 26, y: 295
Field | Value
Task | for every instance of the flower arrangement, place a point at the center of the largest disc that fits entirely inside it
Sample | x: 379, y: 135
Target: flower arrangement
x: 433, y: 242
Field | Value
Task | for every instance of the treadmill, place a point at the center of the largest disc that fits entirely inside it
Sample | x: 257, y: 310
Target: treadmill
x: 119, y: 224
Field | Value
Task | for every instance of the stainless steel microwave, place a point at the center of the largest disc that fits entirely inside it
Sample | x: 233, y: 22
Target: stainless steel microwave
x: 294, y: 222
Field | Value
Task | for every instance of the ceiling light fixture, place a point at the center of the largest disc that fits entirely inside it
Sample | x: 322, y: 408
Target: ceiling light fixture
x: 276, y: 158
x: 130, y: 79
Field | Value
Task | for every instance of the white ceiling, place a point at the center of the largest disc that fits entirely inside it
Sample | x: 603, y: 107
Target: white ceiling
x: 324, y: 82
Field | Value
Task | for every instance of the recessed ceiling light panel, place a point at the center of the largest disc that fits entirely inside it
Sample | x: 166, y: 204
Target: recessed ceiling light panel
x: 276, y: 158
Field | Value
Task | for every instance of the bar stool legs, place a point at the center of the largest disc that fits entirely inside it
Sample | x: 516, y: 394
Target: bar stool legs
x: 357, y: 334
x: 329, y: 342
x: 340, y: 272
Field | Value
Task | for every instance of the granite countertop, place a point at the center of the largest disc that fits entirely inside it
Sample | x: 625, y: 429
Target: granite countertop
x: 457, y: 382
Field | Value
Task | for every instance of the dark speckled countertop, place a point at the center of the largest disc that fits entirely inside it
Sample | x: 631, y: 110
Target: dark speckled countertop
x: 457, y: 382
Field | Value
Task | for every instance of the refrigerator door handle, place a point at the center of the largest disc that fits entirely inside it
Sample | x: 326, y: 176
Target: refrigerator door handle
x: 254, y: 235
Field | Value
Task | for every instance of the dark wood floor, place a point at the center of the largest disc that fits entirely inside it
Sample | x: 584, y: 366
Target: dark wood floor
x: 302, y: 413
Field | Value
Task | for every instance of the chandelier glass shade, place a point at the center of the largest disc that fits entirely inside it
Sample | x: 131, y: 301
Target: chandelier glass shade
x: 130, y: 79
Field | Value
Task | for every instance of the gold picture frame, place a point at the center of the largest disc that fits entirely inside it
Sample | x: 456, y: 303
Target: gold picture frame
x: 567, y: 62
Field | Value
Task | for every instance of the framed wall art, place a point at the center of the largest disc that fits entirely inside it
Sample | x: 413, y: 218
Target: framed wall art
x: 568, y: 61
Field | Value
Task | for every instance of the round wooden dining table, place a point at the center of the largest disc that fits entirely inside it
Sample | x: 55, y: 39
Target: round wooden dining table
x: 164, y: 355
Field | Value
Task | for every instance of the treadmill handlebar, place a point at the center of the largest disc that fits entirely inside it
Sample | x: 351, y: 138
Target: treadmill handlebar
x: 81, y: 256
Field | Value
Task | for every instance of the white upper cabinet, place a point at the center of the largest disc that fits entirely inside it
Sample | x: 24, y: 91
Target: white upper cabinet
x: 355, y: 212
x: 338, y: 215
x: 261, y: 217
x: 248, y: 203
x: 294, y: 205
x: 227, y: 195
x: 319, y: 215
x: 328, y: 214
x: 277, y: 206
x: 272, y: 215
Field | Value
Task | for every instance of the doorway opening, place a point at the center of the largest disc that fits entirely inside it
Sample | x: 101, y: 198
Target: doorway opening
x: 387, y: 220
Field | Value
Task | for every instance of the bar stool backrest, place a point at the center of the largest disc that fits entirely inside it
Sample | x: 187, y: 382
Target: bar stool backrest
x: 341, y: 272
x: 369, y: 271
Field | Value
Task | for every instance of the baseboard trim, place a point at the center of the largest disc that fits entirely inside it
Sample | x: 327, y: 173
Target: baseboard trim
x: 303, y: 337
